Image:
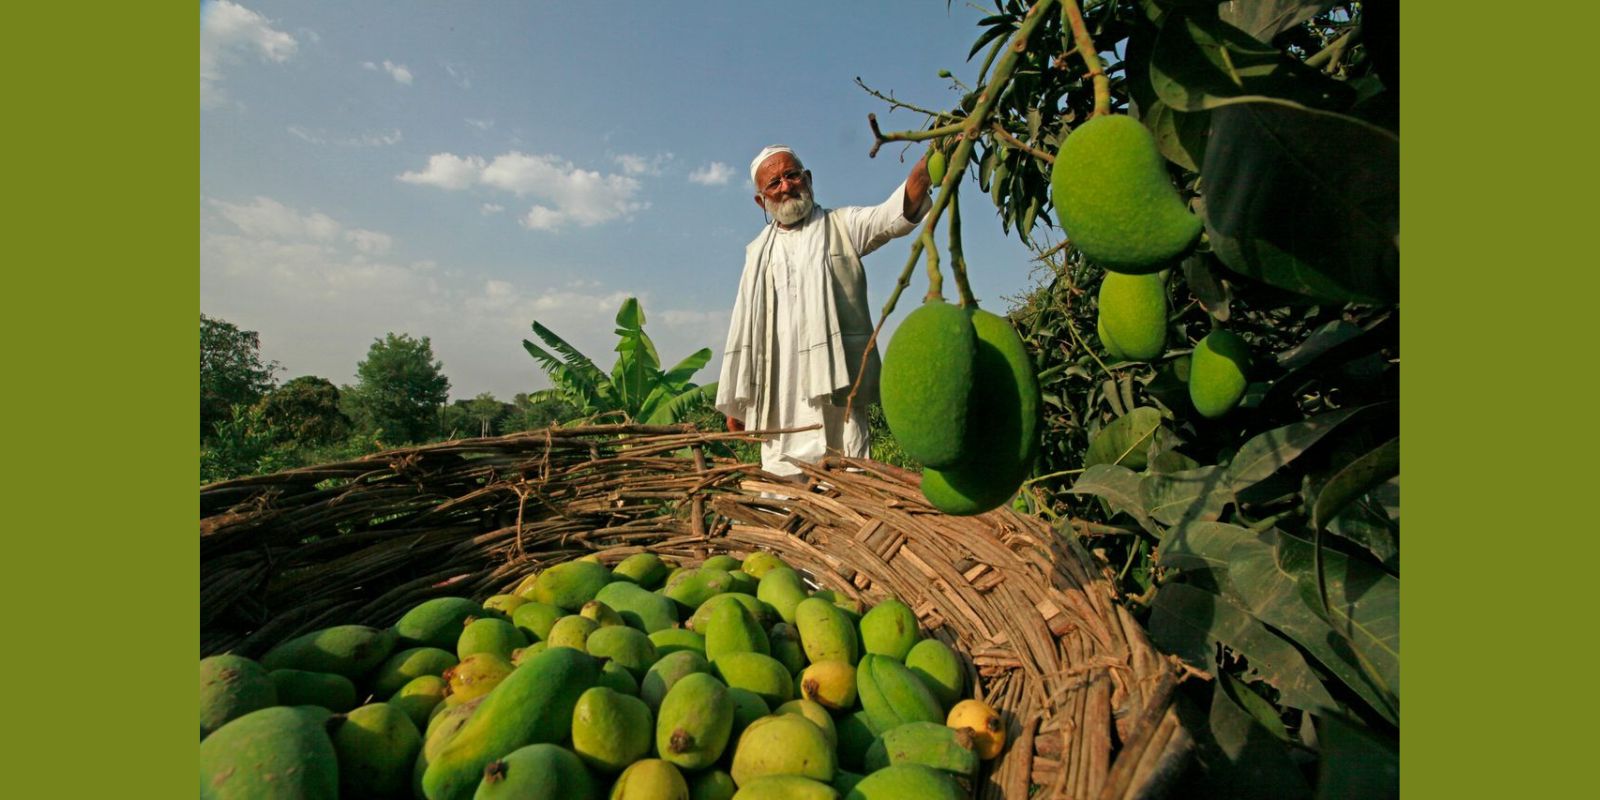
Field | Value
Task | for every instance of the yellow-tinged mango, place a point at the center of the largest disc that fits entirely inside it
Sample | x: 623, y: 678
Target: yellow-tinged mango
x: 826, y: 633
x: 786, y: 787
x: 926, y: 382
x: 831, y: 684
x: 376, y: 745
x: 650, y: 779
x: 694, y: 722
x: 1114, y: 198
x: 783, y: 744
x: 988, y: 730
x: 610, y: 730
x: 570, y: 584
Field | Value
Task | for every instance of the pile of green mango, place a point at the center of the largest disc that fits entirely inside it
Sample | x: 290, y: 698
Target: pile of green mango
x: 641, y: 681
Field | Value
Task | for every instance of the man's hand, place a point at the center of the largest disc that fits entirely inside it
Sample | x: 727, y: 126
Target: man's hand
x: 916, y: 188
x: 734, y: 425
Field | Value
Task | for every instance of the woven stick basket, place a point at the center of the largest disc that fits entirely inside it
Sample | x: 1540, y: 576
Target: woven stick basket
x: 1086, y: 698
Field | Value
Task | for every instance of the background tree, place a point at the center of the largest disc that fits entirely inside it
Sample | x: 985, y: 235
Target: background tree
x: 527, y: 413
x: 484, y: 410
x: 400, y: 386
x: 231, y: 371
x: 306, y: 411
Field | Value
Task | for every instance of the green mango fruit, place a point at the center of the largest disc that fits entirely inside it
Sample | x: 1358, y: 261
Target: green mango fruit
x: 413, y: 662
x: 650, y: 779
x: 787, y: 787
x: 844, y: 781
x: 610, y: 730
x: 348, y: 650
x: 624, y: 645
x: 537, y: 772
x: 929, y: 743
x: 732, y: 628
x: 783, y: 589
x: 602, y: 614
x: 1217, y: 373
x: 926, y: 383
x: 281, y: 751
x: 694, y: 722
x: 856, y: 734
x: 532, y: 705
x: 785, y: 642
x: 762, y: 611
x: 692, y: 587
x: 816, y: 714
x: 436, y: 622
x: 570, y: 584
x: 889, y: 629
x: 535, y: 619
x: 782, y: 744
x: 572, y: 631
x: 1107, y: 342
x: 300, y: 687
x: 892, y: 695
x: 826, y: 634
x: 712, y: 784
x: 722, y: 561
x: 1114, y: 198
x: 940, y: 670
x: 376, y: 745
x: 619, y: 678
x: 1004, y: 417
x: 446, y: 721
x: 490, y: 635
x: 747, y: 708
x: 936, y: 167
x: 419, y: 697
x: 674, y: 640
x: 230, y: 687
x: 640, y: 607
x: 1133, y: 314
x: 475, y: 676
x: 764, y: 675
x: 668, y: 670
x: 504, y: 605
x: 645, y: 569
x: 759, y: 562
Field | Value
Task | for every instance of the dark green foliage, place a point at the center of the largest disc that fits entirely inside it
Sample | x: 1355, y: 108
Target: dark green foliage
x: 231, y: 372
x: 400, y: 387
x: 305, y: 410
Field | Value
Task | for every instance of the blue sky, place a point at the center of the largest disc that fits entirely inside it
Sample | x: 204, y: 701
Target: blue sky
x: 459, y: 170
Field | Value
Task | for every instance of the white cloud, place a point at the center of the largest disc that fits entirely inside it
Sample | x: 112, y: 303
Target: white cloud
x: 266, y: 218
x: 714, y: 174
x: 229, y: 32
x: 491, y: 208
x: 564, y: 193
x: 457, y: 74
x: 447, y: 171
x: 363, y: 140
x: 480, y: 124
x: 370, y: 242
x: 634, y: 164
x: 396, y: 71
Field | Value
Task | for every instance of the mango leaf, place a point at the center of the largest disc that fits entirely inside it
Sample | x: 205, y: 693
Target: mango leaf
x: 1320, y: 341
x: 1365, y: 523
x: 1169, y: 461
x: 1355, y: 479
x: 1361, y: 645
x: 1327, y: 352
x: 1198, y: 64
x: 1264, y: 19
x: 1356, y: 762
x: 1119, y: 487
x: 1259, y: 709
x: 1266, y: 453
x: 1187, y: 622
x: 1195, y: 494
x: 1180, y: 135
x: 1286, y: 203
x: 1126, y: 441
x: 1202, y: 280
x: 1201, y: 545
x: 1257, y: 764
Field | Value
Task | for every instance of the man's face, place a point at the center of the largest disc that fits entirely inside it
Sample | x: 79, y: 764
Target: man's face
x: 785, y: 189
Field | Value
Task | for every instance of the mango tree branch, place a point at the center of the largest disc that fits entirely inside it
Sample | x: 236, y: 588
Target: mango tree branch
x: 1005, y: 136
x: 1085, y: 47
x: 894, y: 103
x: 958, y: 259
x: 880, y: 138
x: 935, y: 278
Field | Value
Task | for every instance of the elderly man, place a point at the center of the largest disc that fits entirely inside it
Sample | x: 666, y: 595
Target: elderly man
x: 801, y: 324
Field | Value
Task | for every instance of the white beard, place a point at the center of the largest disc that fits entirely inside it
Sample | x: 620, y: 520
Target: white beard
x: 788, y: 212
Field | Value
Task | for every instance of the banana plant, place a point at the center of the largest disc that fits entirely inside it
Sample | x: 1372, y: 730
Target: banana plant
x: 637, y: 388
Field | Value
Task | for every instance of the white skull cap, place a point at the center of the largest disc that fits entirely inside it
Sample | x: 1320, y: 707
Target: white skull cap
x: 766, y: 153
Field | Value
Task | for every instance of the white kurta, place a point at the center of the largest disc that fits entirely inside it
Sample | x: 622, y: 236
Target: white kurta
x: 783, y: 359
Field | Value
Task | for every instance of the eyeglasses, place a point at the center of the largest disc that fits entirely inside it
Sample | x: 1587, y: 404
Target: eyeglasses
x: 792, y: 176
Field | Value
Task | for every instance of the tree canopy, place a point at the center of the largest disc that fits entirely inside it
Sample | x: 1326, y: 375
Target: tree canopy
x: 400, y: 386
x: 232, y: 371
